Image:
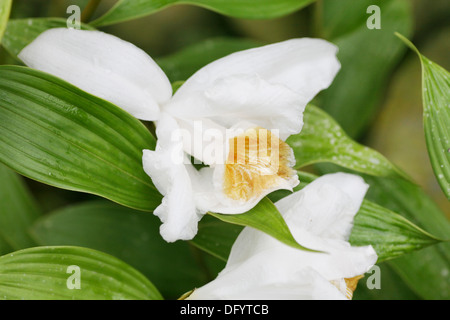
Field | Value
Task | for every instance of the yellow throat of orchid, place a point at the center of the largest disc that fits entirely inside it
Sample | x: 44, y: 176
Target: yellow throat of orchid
x: 351, y: 285
x: 256, y: 162
x: 348, y: 286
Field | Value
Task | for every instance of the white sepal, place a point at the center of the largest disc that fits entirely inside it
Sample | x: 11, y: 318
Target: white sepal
x: 103, y: 65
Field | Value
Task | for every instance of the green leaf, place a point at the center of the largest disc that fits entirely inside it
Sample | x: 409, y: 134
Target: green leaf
x: 184, y: 63
x: 426, y: 271
x: 43, y: 273
x: 390, y: 234
x: 323, y: 140
x: 18, y: 210
x: 216, y: 237
x: 436, y: 116
x: 130, y: 235
x: 264, y: 217
x: 5, y: 9
x: 411, y: 201
x: 125, y: 10
x: 55, y: 133
x: 367, y: 56
x: 21, y: 32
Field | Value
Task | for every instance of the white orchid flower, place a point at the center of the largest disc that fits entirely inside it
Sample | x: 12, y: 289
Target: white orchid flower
x: 320, y: 217
x: 254, y: 96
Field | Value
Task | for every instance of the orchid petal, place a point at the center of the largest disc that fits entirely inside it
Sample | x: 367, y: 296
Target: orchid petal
x: 104, y: 66
x: 178, y: 211
x: 240, y: 98
x: 276, y: 271
x: 327, y: 205
x: 203, y: 139
x: 172, y: 174
x: 253, y: 280
x: 304, y: 66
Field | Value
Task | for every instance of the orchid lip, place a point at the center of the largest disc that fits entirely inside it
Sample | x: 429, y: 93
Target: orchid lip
x: 256, y: 162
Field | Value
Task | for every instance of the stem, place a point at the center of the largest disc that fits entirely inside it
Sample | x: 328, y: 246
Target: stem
x: 198, y: 256
x: 318, y: 19
x: 407, y: 42
x: 89, y: 10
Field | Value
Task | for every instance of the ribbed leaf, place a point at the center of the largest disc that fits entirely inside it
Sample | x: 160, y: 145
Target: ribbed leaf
x: 436, y: 117
x: 18, y: 210
x: 323, y: 140
x: 266, y: 218
x: 127, y: 234
x: 53, y: 132
x: 5, y: 8
x: 436, y: 97
x: 389, y: 233
x: 44, y: 273
x: 21, y: 32
x: 247, y: 9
